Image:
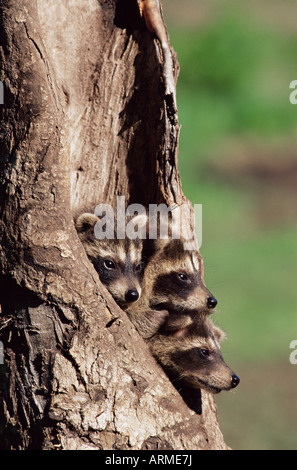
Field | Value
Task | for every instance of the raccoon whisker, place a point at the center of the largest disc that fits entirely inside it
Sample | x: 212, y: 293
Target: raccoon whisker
x: 179, y: 377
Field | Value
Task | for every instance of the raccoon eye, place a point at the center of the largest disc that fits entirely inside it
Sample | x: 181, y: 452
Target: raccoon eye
x: 182, y: 277
x: 139, y: 267
x: 109, y: 264
x: 204, y: 353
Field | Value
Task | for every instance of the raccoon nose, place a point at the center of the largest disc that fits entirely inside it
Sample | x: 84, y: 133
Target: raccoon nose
x: 131, y: 295
x: 211, y: 302
x: 234, y: 381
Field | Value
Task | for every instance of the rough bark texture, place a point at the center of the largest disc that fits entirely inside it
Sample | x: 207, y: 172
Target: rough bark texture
x: 84, y: 120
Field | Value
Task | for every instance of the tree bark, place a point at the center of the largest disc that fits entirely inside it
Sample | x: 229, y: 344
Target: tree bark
x: 85, y: 119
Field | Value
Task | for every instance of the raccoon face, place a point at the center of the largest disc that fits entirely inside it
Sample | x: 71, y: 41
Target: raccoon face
x: 182, y: 291
x: 178, y: 283
x: 196, y: 359
x: 122, y: 277
x: 203, y: 367
x: 118, y: 262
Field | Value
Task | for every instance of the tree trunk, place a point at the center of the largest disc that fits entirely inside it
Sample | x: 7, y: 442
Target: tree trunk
x: 85, y: 119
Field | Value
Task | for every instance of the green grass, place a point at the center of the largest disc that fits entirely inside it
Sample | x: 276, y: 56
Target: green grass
x: 234, y: 80
x: 257, y: 292
x: 261, y: 413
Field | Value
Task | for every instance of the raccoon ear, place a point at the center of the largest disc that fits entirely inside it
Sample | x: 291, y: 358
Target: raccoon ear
x: 86, y: 223
x: 161, y: 243
x: 219, y: 334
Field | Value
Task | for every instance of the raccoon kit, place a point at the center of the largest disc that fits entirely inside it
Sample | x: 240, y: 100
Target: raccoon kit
x: 192, y: 356
x: 176, y: 280
x: 172, y: 285
x: 118, y: 262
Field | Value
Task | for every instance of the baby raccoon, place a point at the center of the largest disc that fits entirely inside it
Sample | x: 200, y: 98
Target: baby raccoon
x: 117, y: 261
x: 176, y: 276
x: 192, y: 356
x: 172, y: 282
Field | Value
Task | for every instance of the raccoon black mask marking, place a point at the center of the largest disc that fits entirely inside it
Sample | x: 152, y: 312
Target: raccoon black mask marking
x: 174, y: 280
x: 193, y: 357
x: 173, y: 292
x: 118, y: 262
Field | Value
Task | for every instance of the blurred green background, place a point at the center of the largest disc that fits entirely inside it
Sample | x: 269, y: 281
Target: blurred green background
x: 238, y: 157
